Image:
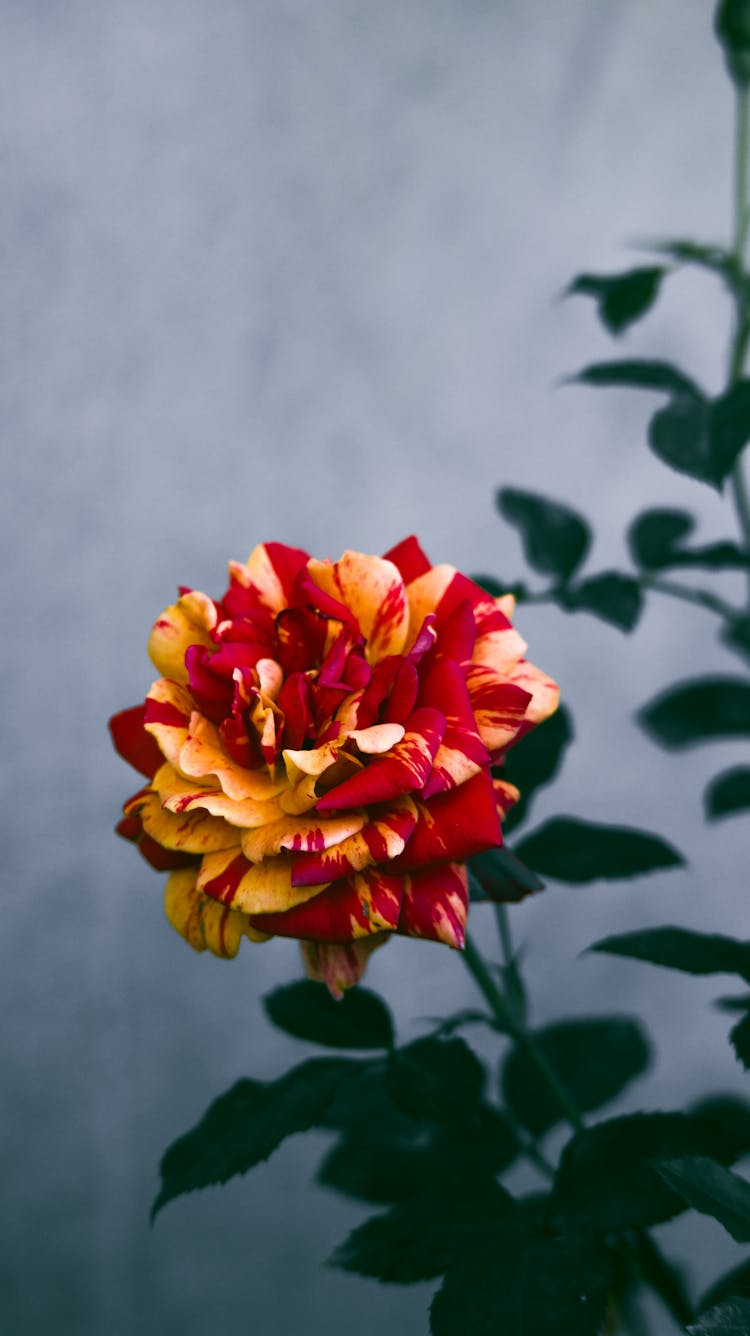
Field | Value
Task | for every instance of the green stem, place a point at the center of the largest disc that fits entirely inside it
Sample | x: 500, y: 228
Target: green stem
x: 503, y: 927
x: 702, y: 597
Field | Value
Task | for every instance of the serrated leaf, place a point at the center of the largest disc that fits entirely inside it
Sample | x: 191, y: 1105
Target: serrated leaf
x: 728, y: 793
x: 528, y: 1286
x: 653, y: 535
x: 245, y: 1125
x: 307, y: 1011
x: 502, y: 877
x: 555, y: 538
x: 419, y: 1238
x: 638, y: 375
x: 699, y: 710
x: 535, y: 760
x: 740, y: 1039
x: 576, y: 851
x: 711, y: 1189
x: 595, y: 1060
x: 730, y: 1318
x: 607, y: 1180
x: 621, y: 298
x: 681, y: 949
x: 436, y: 1078
x: 614, y: 597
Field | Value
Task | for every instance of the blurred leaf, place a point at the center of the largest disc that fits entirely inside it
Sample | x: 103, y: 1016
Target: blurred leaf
x: 733, y: 1283
x: 681, y: 949
x: 246, y: 1124
x: 621, y: 298
x: 638, y: 375
x: 555, y: 538
x: 704, y: 255
x: 518, y: 1285
x: 728, y: 792
x: 502, y: 876
x: 614, y: 597
x: 736, y: 636
x: 734, y: 1002
x: 729, y: 428
x: 730, y: 1318
x: 723, y: 556
x: 740, y: 1039
x: 364, y: 1107
x: 678, y: 435
x: 653, y: 534
x: 576, y: 851
x: 436, y: 1078
x: 730, y: 1111
x: 607, y: 1180
x: 497, y: 588
x: 699, y: 710
x: 535, y: 760
x: 594, y: 1058
x: 419, y: 1238
x: 711, y: 1189
x: 307, y: 1011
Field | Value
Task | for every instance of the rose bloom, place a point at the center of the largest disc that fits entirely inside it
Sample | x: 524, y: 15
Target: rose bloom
x: 318, y: 751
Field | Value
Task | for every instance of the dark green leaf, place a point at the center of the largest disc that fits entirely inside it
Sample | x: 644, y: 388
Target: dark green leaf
x: 730, y: 1111
x: 730, y: 1318
x: 621, y: 298
x: 555, y: 538
x: 246, y: 1124
x: 704, y: 255
x: 307, y: 1010
x: 678, y: 435
x: 576, y: 851
x: 729, y: 792
x: 502, y: 876
x: 638, y: 375
x: 607, y: 1180
x: 729, y: 429
x: 699, y: 710
x: 364, y: 1107
x: 711, y: 1189
x: 525, y: 1286
x: 497, y: 588
x: 681, y: 949
x: 614, y: 597
x: 736, y: 635
x: 653, y: 534
x: 535, y: 760
x: 733, y: 1002
x: 733, y: 1283
x: 595, y: 1059
x: 419, y: 1238
x: 740, y: 1037
x: 436, y: 1078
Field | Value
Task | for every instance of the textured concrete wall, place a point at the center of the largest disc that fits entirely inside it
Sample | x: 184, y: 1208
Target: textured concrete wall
x: 285, y: 269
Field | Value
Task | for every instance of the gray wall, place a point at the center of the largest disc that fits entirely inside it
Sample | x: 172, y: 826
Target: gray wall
x: 286, y: 269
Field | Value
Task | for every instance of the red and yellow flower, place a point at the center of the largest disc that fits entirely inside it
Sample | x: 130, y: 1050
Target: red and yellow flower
x: 318, y: 752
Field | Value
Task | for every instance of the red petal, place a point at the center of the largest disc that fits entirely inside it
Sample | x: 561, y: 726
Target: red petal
x: 435, y: 905
x: 454, y: 826
x: 363, y: 904
x: 402, y: 770
x: 133, y: 743
x: 409, y: 559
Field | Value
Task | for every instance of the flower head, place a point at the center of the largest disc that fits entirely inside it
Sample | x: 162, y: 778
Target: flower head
x: 318, y: 752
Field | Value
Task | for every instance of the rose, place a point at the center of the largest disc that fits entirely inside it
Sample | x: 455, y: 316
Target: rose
x: 318, y: 752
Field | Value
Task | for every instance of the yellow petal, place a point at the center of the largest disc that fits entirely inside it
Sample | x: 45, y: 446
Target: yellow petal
x: 373, y: 590
x: 178, y: 794
x: 259, y: 888
x: 187, y: 622
x: 202, y: 754
x: 190, y: 832
x: 378, y: 738
x: 171, y: 706
x: 204, y: 923
x: 295, y: 833
x: 545, y: 694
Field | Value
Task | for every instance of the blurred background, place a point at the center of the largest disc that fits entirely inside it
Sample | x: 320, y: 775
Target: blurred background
x: 288, y: 269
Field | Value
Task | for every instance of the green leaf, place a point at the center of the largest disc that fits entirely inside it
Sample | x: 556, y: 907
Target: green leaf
x: 555, y: 538
x: 698, y: 710
x: 728, y: 792
x: 740, y: 1039
x: 734, y: 1283
x: 730, y: 1111
x: 535, y: 760
x: 638, y: 375
x: 653, y: 534
x: 681, y: 949
x: 730, y: 1318
x: 723, y: 556
x: 607, y: 1180
x: 436, y: 1078
x: 502, y: 877
x: 736, y: 636
x: 595, y: 1060
x: 419, y: 1238
x: 711, y: 1189
x: 704, y: 255
x: 497, y: 588
x: 621, y: 298
x: 245, y: 1125
x: 525, y: 1286
x: 614, y: 597
x: 729, y: 428
x: 307, y: 1011
x: 678, y: 435
x: 576, y: 851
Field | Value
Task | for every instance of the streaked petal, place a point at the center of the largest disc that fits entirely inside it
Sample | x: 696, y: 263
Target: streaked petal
x: 339, y: 965
x: 133, y: 743
x: 454, y: 826
x: 461, y: 753
x: 304, y: 833
x: 499, y: 706
x: 189, y: 621
x: 403, y: 770
x: 254, y: 888
x: 358, y: 906
x: 202, y: 922
x: 373, y: 590
x: 545, y: 694
x: 408, y: 557
x: 435, y: 905
x: 167, y: 717
x: 191, y: 832
x: 202, y: 754
x: 178, y: 794
x: 378, y: 840
x: 271, y: 570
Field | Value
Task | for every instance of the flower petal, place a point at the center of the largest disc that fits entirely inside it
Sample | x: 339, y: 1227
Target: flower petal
x: 373, y: 590
x: 271, y: 571
x: 408, y: 557
x: 253, y: 887
x: 366, y: 903
x: 339, y: 965
x: 454, y: 826
x: 191, y: 832
x: 202, y: 922
x: 461, y: 753
x: 167, y: 717
x: 187, y: 622
x: 378, y: 840
x: 301, y: 833
x: 133, y: 743
x: 402, y: 770
x: 435, y: 905
x: 178, y: 794
x: 499, y: 706
x: 202, y: 754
